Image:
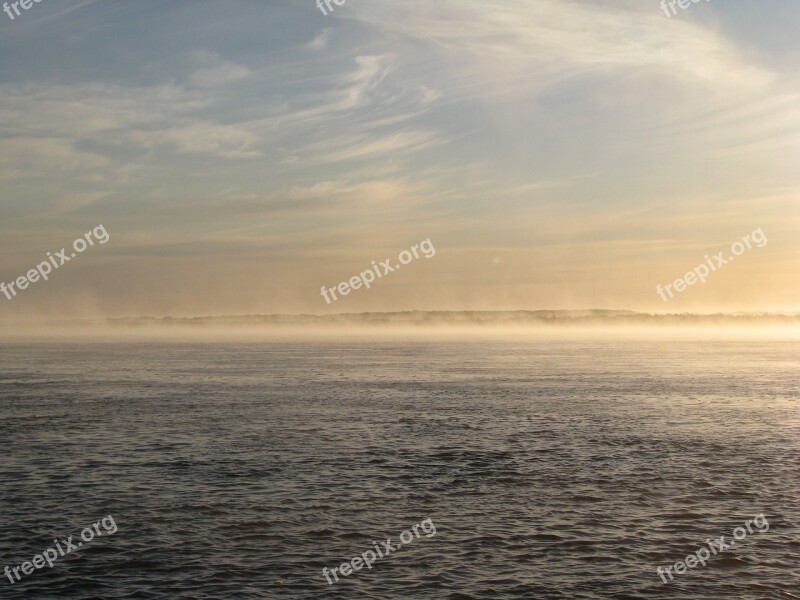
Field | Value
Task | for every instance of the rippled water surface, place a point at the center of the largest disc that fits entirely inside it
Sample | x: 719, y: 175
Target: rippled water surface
x: 549, y: 469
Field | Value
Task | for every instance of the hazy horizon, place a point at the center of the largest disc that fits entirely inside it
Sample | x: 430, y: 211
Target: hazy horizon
x: 421, y: 326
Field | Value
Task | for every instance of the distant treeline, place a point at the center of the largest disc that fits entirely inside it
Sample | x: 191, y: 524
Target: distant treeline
x: 517, y: 317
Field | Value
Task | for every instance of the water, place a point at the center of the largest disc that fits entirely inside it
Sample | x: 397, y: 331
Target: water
x: 550, y: 469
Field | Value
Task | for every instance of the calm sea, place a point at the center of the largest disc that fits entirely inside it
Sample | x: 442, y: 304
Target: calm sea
x: 550, y: 469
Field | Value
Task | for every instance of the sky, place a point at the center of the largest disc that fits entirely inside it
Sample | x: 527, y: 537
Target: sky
x: 558, y: 154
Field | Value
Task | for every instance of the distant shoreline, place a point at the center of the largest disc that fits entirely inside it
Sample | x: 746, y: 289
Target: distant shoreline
x: 552, y: 318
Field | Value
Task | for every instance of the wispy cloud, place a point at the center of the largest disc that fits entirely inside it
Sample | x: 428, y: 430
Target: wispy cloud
x: 320, y: 41
x: 215, y: 71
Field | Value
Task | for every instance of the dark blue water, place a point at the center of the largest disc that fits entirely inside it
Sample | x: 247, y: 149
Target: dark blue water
x: 550, y: 469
